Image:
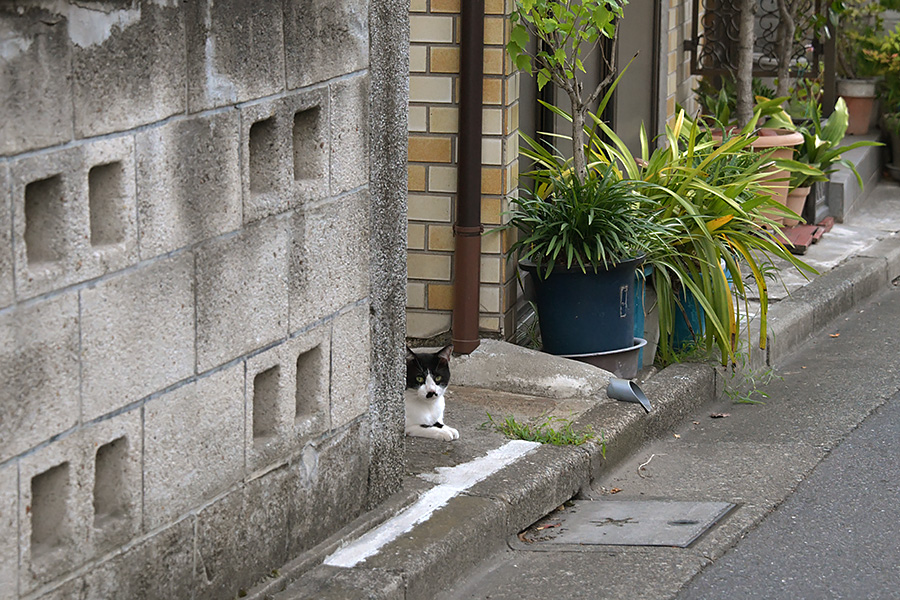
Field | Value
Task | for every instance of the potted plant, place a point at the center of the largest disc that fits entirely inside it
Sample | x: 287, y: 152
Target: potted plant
x: 815, y: 158
x: 859, y: 24
x: 580, y: 224
x: 886, y: 58
x: 562, y: 30
x: 710, y: 201
x: 581, y: 242
x: 774, y: 139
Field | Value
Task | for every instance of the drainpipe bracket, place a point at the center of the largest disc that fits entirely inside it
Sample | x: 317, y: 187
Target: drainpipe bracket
x: 464, y: 231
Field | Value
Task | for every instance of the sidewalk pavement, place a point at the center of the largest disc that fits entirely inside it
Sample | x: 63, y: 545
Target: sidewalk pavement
x: 461, y: 500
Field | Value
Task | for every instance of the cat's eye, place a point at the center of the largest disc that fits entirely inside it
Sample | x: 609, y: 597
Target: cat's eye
x: 420, y: 379
x: 437, y: 378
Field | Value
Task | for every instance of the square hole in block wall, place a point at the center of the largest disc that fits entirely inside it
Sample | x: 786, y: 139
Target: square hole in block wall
x: 49, y: 510
x: 44, y: 220
x: 263, y: 160
x: 310, y: 160
x: 110, y: 483
x: 106, y: 186
x: 265, y: 403
x: 309, y: 382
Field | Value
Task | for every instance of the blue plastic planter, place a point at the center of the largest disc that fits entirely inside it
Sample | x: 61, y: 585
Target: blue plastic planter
x: 640, y: 282
x: 691, y: 319
x: 583, y: 313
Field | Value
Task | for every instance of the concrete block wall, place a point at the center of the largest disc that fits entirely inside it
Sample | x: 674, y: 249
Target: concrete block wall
x: 189, y: 282
x: 433, y: 127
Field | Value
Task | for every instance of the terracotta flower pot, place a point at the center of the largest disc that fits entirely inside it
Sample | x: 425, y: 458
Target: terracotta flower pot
x: 860, y: 97
x: 796, y: 200
x: 782, y: 143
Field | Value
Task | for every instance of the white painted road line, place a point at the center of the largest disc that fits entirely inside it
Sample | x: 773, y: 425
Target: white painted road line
x: 451, y: 482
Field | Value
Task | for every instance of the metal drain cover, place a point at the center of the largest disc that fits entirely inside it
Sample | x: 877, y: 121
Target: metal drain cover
x: 624, y: 523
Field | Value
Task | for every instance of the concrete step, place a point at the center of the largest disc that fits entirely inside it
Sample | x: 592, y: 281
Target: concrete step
x: 844, y: 193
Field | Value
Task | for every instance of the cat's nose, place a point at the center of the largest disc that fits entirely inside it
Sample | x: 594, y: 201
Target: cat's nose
x: 430, y: 395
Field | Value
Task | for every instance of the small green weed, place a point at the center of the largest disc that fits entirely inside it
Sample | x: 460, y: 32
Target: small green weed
x: 549, y: 430
x: 743, y: 382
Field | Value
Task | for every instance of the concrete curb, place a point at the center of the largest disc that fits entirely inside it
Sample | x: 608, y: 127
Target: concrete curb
x: 473, y: 526
x: 469, y: 528
x: 814, y: 306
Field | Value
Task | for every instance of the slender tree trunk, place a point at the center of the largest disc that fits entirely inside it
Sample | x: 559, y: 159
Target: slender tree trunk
x: 744, y: 73
x: 578, y: 158
x: 786, y: 28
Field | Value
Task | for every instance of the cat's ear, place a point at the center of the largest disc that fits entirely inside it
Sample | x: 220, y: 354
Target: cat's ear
x: 410, y: 356
x: 444, y: 353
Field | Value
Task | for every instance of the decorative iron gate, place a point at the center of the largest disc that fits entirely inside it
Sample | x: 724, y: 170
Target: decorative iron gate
x: 714, y: 40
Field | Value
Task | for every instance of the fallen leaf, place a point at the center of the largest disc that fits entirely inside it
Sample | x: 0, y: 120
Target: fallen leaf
x: 677, y: 437
x: 547, y: 526
x: 524, y: 539
x: 719, y: 415
x: 615, y: 490
x: 695, y: 422
x: 834, y: 335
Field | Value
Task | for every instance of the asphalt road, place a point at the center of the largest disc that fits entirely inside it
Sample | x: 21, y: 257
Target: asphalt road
x: 814, y: 472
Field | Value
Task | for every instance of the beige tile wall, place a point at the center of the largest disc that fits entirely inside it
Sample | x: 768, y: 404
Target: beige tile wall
x: 433, y: 115
x: 433, y: 128
x: 679, y: 81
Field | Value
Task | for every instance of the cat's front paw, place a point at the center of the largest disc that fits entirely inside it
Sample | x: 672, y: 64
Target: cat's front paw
x: 452, y: 433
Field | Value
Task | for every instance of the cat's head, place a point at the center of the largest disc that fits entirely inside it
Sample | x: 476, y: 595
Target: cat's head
x: 428, y: 373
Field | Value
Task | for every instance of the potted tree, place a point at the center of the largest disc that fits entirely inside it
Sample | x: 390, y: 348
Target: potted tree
x: 580, y: 234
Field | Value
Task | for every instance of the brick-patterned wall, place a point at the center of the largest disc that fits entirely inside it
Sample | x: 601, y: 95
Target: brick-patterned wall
x: 679, y: 83
x: 433, y: 115
x: 186, y: 241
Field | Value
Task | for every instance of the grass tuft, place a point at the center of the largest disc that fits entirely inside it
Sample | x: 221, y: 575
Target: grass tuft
x: 548, y: 430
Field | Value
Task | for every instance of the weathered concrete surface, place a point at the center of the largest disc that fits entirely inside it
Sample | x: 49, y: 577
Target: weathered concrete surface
x: 235, y: 52
x: 342, y: 34
x: 36, y: 98
x: 242, y: 292
x: 158, y: 567
x: 7, y: 291
x: 276, y: 425
x: 325, y: 273
x: 39, y: 351
x: 129, y: 60
x: 179, y: 472
x: 9, y: 529
x: 387, y: 143
x: 194, y: 192
x: 156, y: 300
x: 515, y: 369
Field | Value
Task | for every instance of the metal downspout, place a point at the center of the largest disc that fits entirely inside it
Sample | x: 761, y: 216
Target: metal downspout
x: 468, y: 228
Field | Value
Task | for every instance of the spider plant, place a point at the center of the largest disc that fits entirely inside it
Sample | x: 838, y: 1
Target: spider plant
x: 594, y: 225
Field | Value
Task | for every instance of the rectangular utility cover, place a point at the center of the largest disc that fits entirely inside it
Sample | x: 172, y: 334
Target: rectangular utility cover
x: 625, y: 523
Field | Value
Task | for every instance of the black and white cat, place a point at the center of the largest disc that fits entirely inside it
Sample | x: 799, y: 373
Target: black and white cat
x: 427, y: 376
